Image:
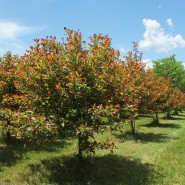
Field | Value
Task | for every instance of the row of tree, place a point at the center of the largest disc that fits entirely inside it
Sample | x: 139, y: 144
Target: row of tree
x: 74, y: 88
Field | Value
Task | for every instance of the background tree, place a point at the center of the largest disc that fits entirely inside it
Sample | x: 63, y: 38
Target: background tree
x: 176, y: 101
x: 155, y: 96
x: 133, y: 83
x: 171, y: 68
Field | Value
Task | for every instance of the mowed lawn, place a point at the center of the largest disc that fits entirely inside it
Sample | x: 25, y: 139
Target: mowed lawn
x: 155, y: 156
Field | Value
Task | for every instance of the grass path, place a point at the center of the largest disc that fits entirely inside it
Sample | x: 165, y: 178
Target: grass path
x: 156, y: 157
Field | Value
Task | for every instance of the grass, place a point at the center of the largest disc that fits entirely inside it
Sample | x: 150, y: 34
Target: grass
x: 154, y: 156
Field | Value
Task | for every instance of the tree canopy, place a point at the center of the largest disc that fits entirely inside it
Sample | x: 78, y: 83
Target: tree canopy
x: 81, y: 89
x: 171, y: 68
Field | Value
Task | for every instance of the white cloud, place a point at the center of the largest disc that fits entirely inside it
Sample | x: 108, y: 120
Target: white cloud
x: 159, y: 6
x: 10, y: 34
x: 12, y: 30
x: 183, y: 63
x: 169, y: 22
x: 148, y: 62
x: 156, y: 38
x: 122, y: 50
x: 14, y: 47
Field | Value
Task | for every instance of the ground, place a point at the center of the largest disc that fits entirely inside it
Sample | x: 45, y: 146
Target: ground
x: 154, y: 156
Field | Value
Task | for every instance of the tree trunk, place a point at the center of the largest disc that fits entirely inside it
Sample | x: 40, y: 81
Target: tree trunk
x: 80, y: 156
x: 156, y: 119
x: 168, y: 114
x: 132, y: 124
x: 176, y: 112
x: 8, y: 136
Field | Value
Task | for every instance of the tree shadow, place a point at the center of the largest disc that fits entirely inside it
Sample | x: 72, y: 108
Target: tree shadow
x: 162, y: 125
x: 109, y: 170
x: 144, y: 116
x: 11, y: 153
x: 50, y: 146
x: 174, y: 118
x: 180, y: 114
x: 143, y: 137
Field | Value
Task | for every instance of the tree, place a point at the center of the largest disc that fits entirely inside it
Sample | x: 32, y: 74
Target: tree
x: 8, y: 90
x: 17, y: 117
x: 133, y: 78
x: 155, y: 96
x: 176, y: 101
x: 72, y: 85
x: 171, y: 68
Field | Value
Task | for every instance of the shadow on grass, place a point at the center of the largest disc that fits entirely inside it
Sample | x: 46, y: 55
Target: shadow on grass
x: 180, y: 114
x: 109, y: 170
x: 163, y: 125
x: 143, y: 137
x: 11, y: 153
x: 144, y: 116
x: 174, y: 118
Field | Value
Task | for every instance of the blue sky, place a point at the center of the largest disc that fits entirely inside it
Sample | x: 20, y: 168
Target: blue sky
x: 157, y: 25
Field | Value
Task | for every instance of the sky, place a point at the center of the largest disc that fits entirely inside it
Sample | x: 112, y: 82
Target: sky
x: 156, y: 25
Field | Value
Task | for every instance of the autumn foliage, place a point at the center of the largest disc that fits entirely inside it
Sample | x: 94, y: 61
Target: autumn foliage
x: 79, y: 89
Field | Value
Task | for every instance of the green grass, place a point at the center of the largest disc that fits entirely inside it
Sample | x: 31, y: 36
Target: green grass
x: 154, y: 156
